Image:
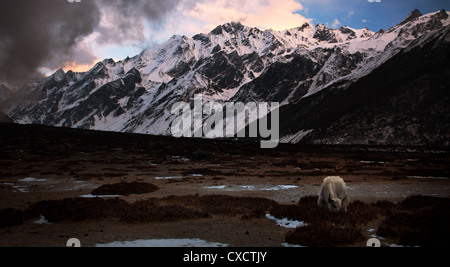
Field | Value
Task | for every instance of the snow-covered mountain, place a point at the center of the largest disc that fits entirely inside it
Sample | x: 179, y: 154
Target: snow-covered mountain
x: 404, y: 101
x: 231, y: 63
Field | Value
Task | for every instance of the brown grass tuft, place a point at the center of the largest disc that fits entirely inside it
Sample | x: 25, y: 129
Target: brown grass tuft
x: 323, y: 234
x: 418, y: 221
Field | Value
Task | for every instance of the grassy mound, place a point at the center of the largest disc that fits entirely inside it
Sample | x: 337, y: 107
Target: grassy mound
x: 324, y: 234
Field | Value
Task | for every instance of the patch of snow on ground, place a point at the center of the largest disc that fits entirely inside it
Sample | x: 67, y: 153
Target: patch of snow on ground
x: 287, y: 245
x: 31, y: 184
x: 280, y: 187
x: 216, y: 187
x: 31, y: 179
x: 168, y: 177
x: 286, y: 222
x: 252, y: 187
x: 427, y: 177
x: 42, y: 220
x: 94, y: 196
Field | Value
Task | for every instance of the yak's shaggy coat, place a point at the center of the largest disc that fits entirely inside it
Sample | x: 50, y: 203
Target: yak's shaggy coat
x: 333, y: 193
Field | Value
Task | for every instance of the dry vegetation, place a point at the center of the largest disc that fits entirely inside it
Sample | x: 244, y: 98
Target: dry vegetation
x: 416, y: 221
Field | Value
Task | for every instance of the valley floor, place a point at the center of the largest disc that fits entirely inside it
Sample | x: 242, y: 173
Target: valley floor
x: 50, y: 164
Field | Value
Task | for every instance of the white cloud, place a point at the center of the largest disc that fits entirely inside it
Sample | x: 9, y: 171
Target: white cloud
x: 205, y: 15
x: 336, y: 23
x: 364, y: 20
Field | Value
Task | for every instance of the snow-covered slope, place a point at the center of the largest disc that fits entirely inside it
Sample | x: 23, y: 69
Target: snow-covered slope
x: 231, y: 63
x: 402, y: 102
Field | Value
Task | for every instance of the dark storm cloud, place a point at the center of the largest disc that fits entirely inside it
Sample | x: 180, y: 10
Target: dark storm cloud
x: 124, y: 19
x: 152, y: 9
x: 35, y: 33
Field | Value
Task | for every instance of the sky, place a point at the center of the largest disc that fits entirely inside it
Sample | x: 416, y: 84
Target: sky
x: 44, y: 35
x: 362, y: 13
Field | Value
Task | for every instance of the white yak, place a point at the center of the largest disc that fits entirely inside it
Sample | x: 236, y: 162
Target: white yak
x: 333, y: 193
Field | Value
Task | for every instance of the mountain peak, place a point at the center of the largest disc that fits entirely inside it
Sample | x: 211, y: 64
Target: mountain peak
x: 324, y: 34
x: 234, y: 24
x: 59, y: 75
x: 305, y: 25
x: 413, y: 15
x: 442, y: 14
x: 109, y: 61
x: 321, y: 26
x: 228, y: 27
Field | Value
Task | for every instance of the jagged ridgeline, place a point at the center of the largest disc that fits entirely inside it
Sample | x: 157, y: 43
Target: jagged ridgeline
x: 335, y: 85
